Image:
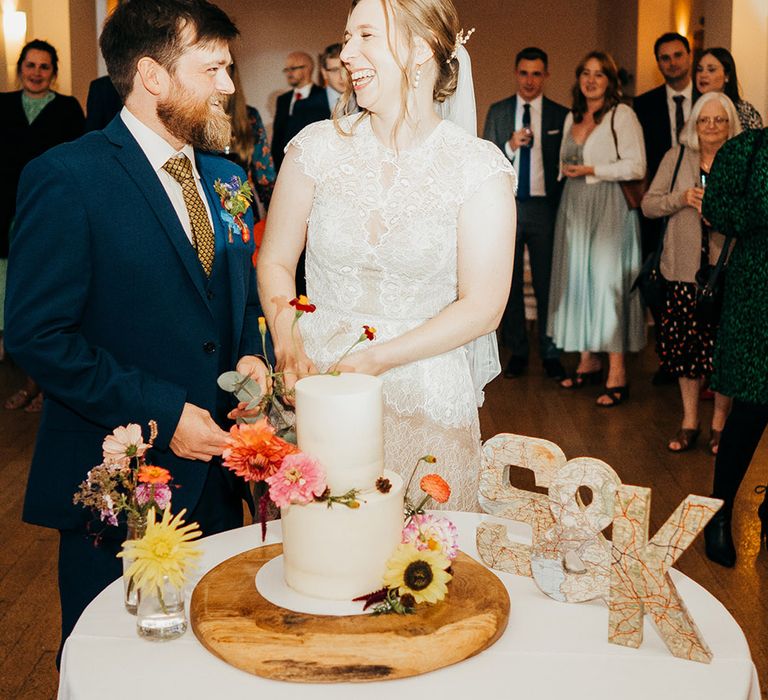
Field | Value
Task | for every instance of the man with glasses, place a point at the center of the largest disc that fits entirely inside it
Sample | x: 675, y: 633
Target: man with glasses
x: 303, y: 104
x: 335, y: 75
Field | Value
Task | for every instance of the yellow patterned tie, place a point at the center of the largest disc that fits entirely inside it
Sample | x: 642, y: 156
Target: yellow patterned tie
x: 180, y: 170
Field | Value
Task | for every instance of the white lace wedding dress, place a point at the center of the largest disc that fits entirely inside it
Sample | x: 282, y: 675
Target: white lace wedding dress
x: 381, y: 251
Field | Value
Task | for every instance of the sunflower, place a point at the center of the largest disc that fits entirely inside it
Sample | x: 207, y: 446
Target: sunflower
x: 165, y: 550
x: 421, y: 574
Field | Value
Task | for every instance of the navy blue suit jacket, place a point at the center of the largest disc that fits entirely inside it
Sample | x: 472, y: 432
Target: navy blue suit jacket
x: 107, y: 310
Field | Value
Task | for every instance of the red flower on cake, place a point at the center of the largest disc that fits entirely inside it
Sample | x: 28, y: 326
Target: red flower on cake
x: 150, y: 474
x: 302, y: 303
x: 254, y: 451
x: 434, y: 485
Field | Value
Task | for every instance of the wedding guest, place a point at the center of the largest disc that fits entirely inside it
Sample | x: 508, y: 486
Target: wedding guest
x: 597, y: 245
x: 250, y: 148
x: 528, y: 127
x: 143, y: 301
x: 303, y: 104
x: 716, y: 70
x: 685, y: 341
x: 411, y: 230
x: 102, y: 105
x: 32, y: 120
x: 736, y: 203
x: 662, y: 112
x: 334, y: 74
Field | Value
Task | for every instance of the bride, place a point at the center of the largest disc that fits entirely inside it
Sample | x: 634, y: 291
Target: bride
x: 409, y: 225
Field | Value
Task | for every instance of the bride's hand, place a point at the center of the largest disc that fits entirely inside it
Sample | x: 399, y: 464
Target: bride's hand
x: 362, y: 362
x: 294, y: 368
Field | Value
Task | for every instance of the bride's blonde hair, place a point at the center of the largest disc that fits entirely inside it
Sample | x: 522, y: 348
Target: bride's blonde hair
x: 437, y: 23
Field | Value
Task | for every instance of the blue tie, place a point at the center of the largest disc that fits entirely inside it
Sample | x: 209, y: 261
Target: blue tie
x: 524, y: 171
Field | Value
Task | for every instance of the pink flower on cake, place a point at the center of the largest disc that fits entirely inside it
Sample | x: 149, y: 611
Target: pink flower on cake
x: 255, y: 452
x: 426, y: 531
x: 299, y: 479
x: 124, y: 443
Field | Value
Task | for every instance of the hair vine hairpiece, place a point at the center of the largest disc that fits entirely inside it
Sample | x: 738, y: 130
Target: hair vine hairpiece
x: 461, y: 39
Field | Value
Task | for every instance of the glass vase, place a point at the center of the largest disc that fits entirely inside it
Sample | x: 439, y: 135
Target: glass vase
x: 161, y: 615
x: 136, y: 528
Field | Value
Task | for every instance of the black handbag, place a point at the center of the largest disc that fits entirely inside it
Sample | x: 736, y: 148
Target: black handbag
x: 650, y: 282
x: 710, y: 288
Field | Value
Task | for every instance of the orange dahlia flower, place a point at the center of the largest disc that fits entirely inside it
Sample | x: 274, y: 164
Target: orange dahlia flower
x: 254, y: 451
x: 150, y: 474
x: 434, y: 485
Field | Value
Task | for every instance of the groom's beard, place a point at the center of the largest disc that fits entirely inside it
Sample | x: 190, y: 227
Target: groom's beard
x: 201, y: 123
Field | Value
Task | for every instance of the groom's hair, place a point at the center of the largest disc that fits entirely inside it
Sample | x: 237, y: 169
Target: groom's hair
x: 160, y: 29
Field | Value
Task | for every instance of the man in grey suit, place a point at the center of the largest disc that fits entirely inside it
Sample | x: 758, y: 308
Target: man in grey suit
x: 528, y: 127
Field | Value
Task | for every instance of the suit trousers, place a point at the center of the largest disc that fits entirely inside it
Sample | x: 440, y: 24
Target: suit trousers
x: 535, y: 230
x: 88, y: 564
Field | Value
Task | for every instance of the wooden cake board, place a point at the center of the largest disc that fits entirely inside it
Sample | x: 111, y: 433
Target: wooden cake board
x: 236, y: 623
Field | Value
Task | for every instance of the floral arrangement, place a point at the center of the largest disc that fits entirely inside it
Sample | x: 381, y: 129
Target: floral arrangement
x: 420, y: 568
x: 236, y: 197
x: 164, y: 552
x: 124, y: 482
x: 262, y: 448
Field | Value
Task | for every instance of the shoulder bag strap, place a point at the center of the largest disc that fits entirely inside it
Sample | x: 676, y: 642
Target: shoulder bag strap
x: 660, y: 246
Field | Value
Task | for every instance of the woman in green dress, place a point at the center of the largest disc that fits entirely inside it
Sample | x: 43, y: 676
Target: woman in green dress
x: 736, y: 203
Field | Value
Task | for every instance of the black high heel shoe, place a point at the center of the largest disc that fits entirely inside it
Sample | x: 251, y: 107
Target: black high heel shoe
x: 762, y: 513
x: 718, y: 541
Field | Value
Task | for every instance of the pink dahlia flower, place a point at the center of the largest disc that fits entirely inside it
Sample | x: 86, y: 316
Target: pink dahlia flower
x: 299, y: 479
x: 427, y: 531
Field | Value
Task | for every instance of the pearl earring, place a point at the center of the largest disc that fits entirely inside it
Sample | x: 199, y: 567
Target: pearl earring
x: 417, y: 78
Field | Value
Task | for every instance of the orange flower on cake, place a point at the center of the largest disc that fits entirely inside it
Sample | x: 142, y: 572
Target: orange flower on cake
x: 254, y: 451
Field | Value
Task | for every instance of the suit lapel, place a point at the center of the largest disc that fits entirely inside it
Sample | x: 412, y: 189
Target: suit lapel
x: 135, y: 163
x: 232, y: 251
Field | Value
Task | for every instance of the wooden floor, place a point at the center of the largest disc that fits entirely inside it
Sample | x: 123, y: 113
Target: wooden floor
x: 630, y: 438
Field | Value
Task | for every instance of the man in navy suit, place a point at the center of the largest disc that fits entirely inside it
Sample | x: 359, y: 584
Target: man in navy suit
x: 528, y: 127
x: 126, y: 297
x: 302, y: 105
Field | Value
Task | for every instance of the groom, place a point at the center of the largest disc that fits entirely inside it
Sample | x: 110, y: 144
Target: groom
x: 127, y: 296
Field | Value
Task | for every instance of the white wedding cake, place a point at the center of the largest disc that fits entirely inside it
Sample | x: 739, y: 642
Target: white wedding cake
x: 338, y: 552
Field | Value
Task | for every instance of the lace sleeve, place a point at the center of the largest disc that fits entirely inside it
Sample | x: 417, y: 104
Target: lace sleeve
x: 311, y: 144
x: 484, y: 162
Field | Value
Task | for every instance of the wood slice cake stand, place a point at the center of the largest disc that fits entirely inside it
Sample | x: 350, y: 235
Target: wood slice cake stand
x: 236, y: 623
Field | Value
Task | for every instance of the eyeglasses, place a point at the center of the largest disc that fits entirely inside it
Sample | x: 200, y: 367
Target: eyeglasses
x: 292, y: 69
x: 717, y: 121
x: 332, y: 70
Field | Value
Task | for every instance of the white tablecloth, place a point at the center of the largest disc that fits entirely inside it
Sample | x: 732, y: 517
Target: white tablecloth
x: 550, y: 650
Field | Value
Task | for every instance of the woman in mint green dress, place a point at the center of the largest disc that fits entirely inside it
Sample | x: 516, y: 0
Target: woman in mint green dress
x: 597, y: 245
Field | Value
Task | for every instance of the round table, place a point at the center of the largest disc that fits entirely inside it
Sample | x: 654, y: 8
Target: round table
x: 549, y: 650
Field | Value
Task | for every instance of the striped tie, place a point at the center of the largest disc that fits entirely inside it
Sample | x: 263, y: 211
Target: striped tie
x: 180, y: 169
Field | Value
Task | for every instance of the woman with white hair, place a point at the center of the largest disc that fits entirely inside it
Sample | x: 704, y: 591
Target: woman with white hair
x: 685, y: 341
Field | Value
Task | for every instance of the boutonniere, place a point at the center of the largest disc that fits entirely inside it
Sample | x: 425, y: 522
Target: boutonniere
x: 236, y: 196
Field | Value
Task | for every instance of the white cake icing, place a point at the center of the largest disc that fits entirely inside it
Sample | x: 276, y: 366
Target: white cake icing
x: 339, y: 422
x: 340, y: 553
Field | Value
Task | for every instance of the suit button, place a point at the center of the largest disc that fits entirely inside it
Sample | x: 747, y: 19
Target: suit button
x: 209, y: 347
x: 209, y: 294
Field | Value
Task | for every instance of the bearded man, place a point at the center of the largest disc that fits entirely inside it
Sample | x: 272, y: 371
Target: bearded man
x: 127, y: 292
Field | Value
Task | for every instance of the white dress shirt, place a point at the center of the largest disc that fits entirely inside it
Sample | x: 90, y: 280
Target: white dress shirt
x: 538, y: 188
x: 158, y: 151
x: 303, y: 91
x: 686, y: 92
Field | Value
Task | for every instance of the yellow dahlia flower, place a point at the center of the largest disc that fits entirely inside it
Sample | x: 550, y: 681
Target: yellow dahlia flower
x: 421, y: 574
x: 164, y: 550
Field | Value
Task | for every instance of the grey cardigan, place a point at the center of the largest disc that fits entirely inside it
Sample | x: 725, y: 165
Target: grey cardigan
x: 682, y: 241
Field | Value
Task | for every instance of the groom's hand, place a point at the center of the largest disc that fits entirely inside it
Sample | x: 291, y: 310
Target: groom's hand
x: 197, y: 436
